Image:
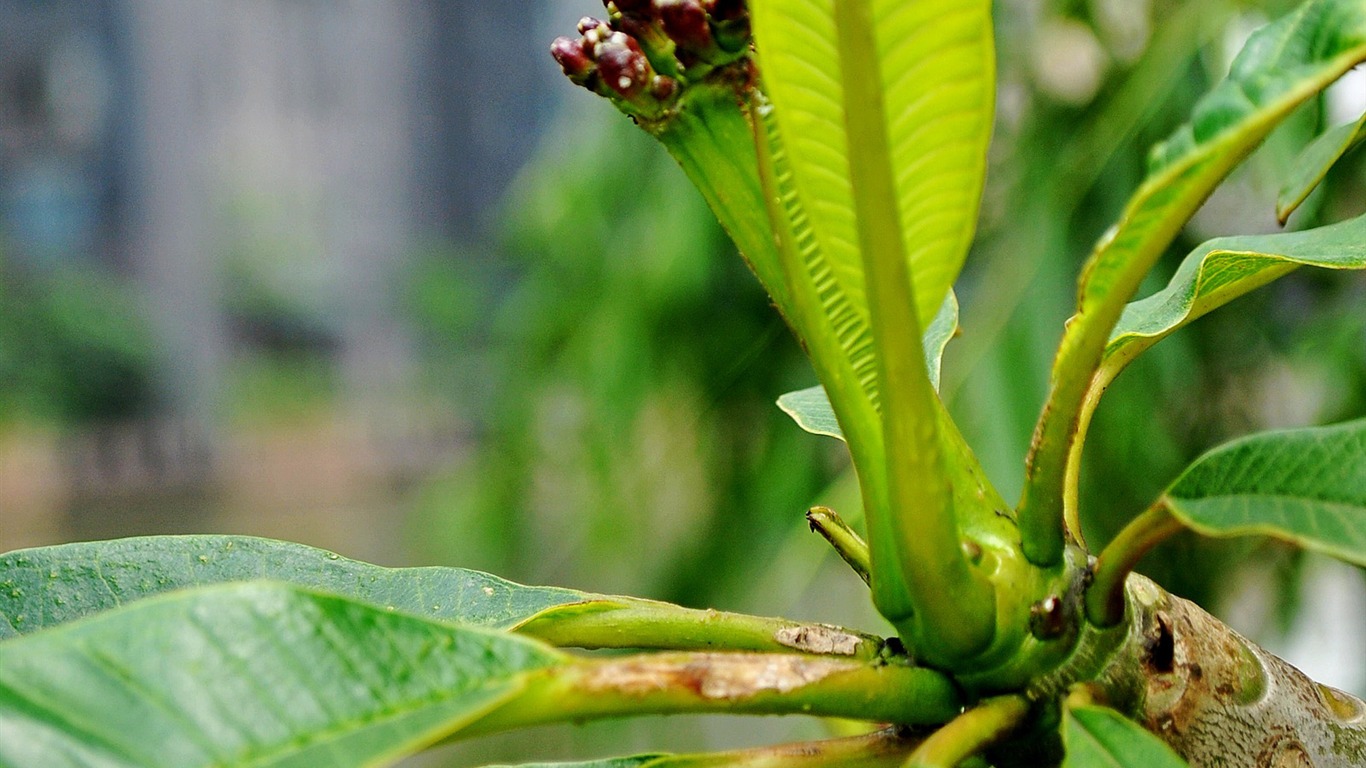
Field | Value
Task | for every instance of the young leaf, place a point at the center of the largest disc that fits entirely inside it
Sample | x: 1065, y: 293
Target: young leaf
x: 1220, y: 271
x: 810, y: 407
x: 1315, y: 162
x: 47, y: 586
x: 1304, y: 486
x: 937, y: 64
x: 812, y: 411
x: 250, y: 674
x: 1282, y: 65
x: 1097, y: 737
x: 1212, y: 275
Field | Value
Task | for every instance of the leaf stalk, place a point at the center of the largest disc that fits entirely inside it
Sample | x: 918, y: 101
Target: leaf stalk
x: 1105, y: 596
x: 736, y: 683
x: 970, y: 733
x: 848, y: 544
x: 647, y: 624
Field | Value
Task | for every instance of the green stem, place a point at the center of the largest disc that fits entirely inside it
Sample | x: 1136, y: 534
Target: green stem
x: 646, y: 624
x: 857, y: 415
x: 1071, y: 505
x: 736, y: 683
x: 954, y: 607
x: 850, y: 546
x: 887, y: 748
x: 970, y: 733
x: 710, y: 136
x: 1105, y: 596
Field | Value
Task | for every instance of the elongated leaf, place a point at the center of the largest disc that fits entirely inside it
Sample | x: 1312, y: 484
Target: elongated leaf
x: 938, y: 88
x: 1097, y: 737
x: 1314, y: 164
x: 1304, y: 486
x: 1220, y: 271
x: 1282, y: 65
x: 259, y: 674
x: 810, y: 407
x: 47, y: 586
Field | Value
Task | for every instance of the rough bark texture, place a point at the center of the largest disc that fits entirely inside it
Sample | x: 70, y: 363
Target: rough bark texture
x: 1219, y: 700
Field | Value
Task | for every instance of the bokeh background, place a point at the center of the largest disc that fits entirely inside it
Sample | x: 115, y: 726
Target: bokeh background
x: 375, y: 278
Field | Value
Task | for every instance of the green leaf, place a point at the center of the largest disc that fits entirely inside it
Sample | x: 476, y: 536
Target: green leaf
x: 810, y: 407
x: 260, y: 674
x: 1315, y: 162
x: 1304, y: 486
x: 47, y: 586
x: 1097, y: 737
x: 1220, y: 271
x: 1281, y: 66
x: 938, y: 100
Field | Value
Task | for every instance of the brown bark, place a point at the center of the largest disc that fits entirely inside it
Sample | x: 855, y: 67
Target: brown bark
x: 1220, y: 700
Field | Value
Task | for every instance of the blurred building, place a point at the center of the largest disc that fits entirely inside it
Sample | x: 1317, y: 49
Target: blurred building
x: 219, y: 149
x: 261, y: 171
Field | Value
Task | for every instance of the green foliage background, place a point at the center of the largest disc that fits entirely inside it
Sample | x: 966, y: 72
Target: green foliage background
x: 628, y: 441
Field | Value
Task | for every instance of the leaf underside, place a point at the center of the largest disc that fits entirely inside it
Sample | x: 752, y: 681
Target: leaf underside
x: 1303, y: 486
x: 1220, y: 271
x: 938, y: 100
x: 259, y: 673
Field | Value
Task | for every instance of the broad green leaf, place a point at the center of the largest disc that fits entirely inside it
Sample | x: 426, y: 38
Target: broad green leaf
x: 47, y: 586
x: 938, y: 90
x: 1281, y: 66
x: 1314, y: 164
x: 1220, y: 271
x: 1304, y: 486
x: 810, y: 407
x: 259, y: 674
x: 50, y: 585
x: 1097, y: 737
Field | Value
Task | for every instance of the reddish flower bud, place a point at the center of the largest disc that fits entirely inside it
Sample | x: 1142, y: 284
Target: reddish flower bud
x: 588, y: 24
x: 573, y: 58
x: 663, y: 88
x: 686, y: 22
x: 622, y: 66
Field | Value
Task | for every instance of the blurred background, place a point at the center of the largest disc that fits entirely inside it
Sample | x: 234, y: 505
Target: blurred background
x: 374, y: 277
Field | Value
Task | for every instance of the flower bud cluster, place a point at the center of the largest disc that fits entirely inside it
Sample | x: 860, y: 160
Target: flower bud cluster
x: 647, y: 51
